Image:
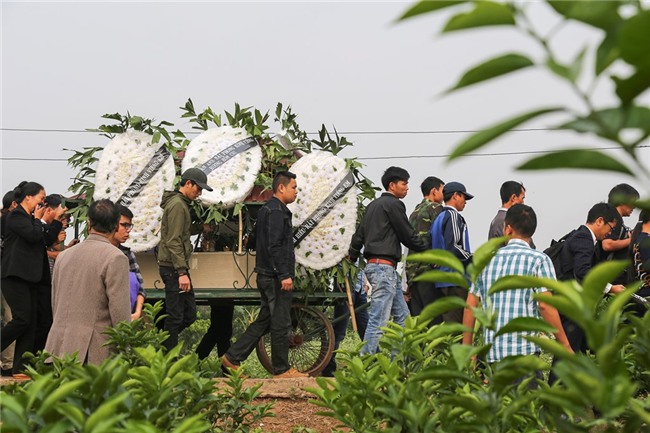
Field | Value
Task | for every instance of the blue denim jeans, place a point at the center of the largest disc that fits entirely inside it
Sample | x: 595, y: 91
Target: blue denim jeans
x: 400, y: 310
x: 385, y: 285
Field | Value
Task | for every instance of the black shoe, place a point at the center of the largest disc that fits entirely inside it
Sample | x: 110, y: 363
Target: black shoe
x: 6, y: 373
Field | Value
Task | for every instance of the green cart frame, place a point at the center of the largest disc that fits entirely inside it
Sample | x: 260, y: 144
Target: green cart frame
x: 229, y: 277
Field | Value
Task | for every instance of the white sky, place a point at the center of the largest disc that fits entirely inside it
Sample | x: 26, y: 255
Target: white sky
x: 347, y: 65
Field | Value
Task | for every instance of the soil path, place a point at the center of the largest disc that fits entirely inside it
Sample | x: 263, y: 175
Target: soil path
x: 292, y: 406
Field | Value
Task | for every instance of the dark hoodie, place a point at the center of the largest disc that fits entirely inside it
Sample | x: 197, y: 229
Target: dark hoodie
x: 175, y: 248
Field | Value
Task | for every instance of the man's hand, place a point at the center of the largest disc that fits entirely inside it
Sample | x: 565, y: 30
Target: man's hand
x: 59, y: 212
x: 135, y: 316
x: 72, y: 243
x: 39, y: 212
x: 287, y: 284
x: 184, y: 283
x: 616, y: 289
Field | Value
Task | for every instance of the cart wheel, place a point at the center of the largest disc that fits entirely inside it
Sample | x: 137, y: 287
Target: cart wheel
x: 311, y: 342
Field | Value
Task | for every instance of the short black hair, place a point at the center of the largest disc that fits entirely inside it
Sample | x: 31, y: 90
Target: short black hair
x: 522, y: 219
x: 125, y: 211
x: 282, y: 178
x: 103, y: 216
x: 509, y: 188
x: 53, y: 200
x: 622, y: 194
x: 26, y: 189
x: 430, y: 183
x: 602, y: 210
x: 644, y: 216
x: 394, y: 174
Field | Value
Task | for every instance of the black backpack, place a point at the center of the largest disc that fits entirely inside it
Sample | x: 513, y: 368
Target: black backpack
x: 557, y: 256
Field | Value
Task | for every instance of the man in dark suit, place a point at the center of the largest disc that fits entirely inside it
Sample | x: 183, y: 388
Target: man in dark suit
x: 578, y: 257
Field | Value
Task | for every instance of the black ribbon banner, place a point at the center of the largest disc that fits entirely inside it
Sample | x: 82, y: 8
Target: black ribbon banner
x: 230, y: 152
x: 301, y: 232
x: 142, y: 179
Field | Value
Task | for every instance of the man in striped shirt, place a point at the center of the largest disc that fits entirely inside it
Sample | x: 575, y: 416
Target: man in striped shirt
x: 516, y: 258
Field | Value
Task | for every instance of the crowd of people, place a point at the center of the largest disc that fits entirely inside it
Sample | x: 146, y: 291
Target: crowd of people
x: 437, y: 223
x: 61, y: 297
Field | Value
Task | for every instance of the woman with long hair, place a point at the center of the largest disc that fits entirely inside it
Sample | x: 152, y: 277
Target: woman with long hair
x: 25, y: 267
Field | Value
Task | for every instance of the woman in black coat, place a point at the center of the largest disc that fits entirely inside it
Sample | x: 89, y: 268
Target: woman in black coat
x: 25, y: 266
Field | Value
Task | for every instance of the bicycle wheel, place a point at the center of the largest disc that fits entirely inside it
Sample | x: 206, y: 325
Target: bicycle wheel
x: 311, y: 341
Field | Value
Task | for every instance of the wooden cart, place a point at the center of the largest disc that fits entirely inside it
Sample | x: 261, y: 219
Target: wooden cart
x: 229, y: 277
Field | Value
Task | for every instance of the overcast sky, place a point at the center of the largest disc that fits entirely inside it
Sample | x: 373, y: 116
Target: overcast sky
x: 347, y: 65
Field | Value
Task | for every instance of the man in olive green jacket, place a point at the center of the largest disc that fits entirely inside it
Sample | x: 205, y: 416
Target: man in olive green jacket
x: 174, y: 253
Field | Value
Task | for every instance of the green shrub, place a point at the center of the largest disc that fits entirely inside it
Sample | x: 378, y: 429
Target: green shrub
x: 143, y: 389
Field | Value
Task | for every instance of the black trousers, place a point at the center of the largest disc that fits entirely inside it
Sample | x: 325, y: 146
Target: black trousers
x: 577, y: 340
x: 180, y: 307
x: 422, y: 294
x: 275, y: 316
x: 43, y: 316
x: 22, y: 299
x: 220, y: 331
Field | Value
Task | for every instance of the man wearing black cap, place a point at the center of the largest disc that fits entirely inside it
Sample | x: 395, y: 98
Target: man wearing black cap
x: 449, y: 232
x: 174, y: 252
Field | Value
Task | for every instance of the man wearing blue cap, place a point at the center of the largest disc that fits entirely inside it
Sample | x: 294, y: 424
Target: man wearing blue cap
x: 449, y: 232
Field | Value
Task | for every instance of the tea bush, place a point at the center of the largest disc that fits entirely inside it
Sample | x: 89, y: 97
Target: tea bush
x: 143, y: 389
x: 424, y: 380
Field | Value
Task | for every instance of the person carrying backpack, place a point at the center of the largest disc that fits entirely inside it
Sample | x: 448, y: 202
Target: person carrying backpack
x: 578, y: 256
x: 615, y: 246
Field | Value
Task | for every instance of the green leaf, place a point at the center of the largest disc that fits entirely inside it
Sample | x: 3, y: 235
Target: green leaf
x: 443, y: 277
x: 550, y: 346
x: 608, y: 122
x: 629, y: 88
x: 483, y: 255
x: 633, y: 40
x: 576, y: 158
x: 438, y: 257
x: 493, y: 68
x: 482, y: 138
x: 426, y: 6
x: 105, y: 411
x: 526, y: 324
x: 598, y: 277
x: 608, y: 51
x: 59, y: 395
x: 440, y: 306
x: 485, y: 13
x: 602, y: 14
x: 462, y: 353
x: 440, y: 372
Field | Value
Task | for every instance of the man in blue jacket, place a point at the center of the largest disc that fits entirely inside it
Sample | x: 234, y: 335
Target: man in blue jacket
x: 449, y: 232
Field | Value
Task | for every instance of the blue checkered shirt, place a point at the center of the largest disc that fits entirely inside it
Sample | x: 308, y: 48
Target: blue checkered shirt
x: 516, y: 258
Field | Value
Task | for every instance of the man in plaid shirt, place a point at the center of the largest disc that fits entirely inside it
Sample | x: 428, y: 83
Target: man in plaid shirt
x: 516, y: 258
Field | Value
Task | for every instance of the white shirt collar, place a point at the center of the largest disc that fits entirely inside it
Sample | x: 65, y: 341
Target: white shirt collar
x: 593, y: 236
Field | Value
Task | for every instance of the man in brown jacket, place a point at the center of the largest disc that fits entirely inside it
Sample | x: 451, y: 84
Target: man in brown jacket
x: 90, y: 290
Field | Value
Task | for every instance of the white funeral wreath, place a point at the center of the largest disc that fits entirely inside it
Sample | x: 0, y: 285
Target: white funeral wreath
x: 317, y: 174
x: 121, y: 162
x: 232, y: 181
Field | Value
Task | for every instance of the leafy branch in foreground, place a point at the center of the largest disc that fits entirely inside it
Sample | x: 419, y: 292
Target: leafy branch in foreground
x: 624, y: 27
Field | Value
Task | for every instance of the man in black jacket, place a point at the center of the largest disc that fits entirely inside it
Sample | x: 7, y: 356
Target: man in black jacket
x: 275, y: 266
x: 578, y: 257
x: 383, y: 229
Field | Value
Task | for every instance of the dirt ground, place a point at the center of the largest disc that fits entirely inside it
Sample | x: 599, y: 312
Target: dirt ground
x: 292, y: 407
x: 294, y: 412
